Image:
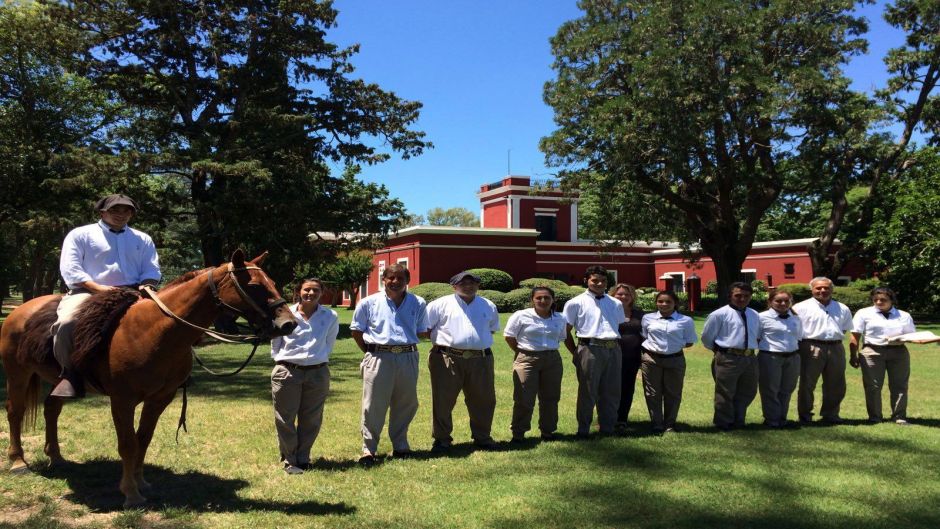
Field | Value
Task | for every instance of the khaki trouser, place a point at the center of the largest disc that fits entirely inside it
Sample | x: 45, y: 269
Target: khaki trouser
x: 536, y: 374
x: 474, y: 376
x: 663, y: 377
x: 299, y: 396
x: 599, y: 371
x: 64, y: 326
x: 735, y: 387
x: 778, y: 378
x: 896, y: 360
x: 826, y: 360
x: 389, y: 380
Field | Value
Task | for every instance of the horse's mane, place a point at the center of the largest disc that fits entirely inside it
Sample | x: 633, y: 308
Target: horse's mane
x: 187, y: 277
x: 97, y: 318
x: 36, y: 344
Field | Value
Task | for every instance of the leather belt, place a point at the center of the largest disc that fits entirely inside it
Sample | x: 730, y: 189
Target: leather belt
x: 827, y: 342
x: 292, y: 365
x: 385, y: 348
x: 654, y: 354
x: 463, y: 353
x: 734, y: 351
x: 527, y: 352
x: 779, y: 353
x: 598, y: 342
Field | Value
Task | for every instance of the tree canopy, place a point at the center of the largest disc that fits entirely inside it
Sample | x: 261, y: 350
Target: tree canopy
x: 452, y: 217
x: 697, y: 110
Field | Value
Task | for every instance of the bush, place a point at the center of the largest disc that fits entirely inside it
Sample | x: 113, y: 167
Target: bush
x: 852, y: 297
x: 866, y: 285
x: 645, y: 302
x: 493, y: 279
x: 759, y: 286
x: 498, y: 298
x: 432, y: 291
x: 518, y: 299
x: 799, y: 291
x: 554, y: 284
x: 711, y: 287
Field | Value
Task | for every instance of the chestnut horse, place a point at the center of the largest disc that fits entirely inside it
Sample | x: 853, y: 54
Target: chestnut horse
x: 146, y: 361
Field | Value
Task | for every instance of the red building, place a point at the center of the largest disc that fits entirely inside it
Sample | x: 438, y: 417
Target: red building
x: 533, y: 232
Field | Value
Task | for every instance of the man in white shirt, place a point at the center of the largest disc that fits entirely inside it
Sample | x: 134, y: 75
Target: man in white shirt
x: 462, y: 328
x: 825, y: 322
x: 732, y: 332
x: 386, y: 328
x: 96, y: 258
x: 596, y: 318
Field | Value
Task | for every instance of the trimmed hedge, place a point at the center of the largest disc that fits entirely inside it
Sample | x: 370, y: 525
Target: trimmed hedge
x: 493, y: 279
x: 500, y: 299
x: 800, y: 291
x: 554, y: 284
x: 432, y: 291
x: 851, y: 296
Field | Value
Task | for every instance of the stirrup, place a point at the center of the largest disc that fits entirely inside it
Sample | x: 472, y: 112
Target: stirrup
x: 69, y: 388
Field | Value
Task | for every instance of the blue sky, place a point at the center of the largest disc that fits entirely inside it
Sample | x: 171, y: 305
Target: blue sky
x: 479, y: 68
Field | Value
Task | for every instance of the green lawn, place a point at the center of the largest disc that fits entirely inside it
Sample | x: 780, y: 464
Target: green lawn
x: 225, y: 473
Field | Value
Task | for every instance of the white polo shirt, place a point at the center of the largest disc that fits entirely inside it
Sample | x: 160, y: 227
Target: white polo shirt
x: 778, y: 334
x: 454, y: 323
x: 667, y: 335
x: 535, y: 333
x: 95, y: 253
x: 876, y: 329
x: 823, y: 322
x: 593, y: 316
x: 311, y: 342
x: 725, y: 328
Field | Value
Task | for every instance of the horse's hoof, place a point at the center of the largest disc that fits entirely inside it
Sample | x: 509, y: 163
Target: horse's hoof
x: 56, y: 461
x: 19, y: 468
x: 131, y: 503
x: 142, y: 484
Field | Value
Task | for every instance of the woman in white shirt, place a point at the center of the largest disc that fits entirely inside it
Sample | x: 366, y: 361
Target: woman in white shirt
x: 872, y: 347
x: 779, y: 360
x: 534, y: 335
x: 300, y: 380
x: 666, y: 334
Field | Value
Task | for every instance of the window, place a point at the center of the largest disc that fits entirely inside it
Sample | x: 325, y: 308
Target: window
x: 402, y: 261
x: 381, y: 271
x: 748, y: 276
x: 789, y: 270
x: 678, y: 281
x: 547, y: 226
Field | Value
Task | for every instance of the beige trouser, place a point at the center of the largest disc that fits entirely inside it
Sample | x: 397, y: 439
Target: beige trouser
x: 896, y: 360
x: 735, y: 387
x: 474, y: 376
x: 599, y: 371
x: 778, y: 378
x: 389, y: 380
x: 64, y: 326
x: 826, y: 360
x: 536, y: 374
x: 663, y: 377
x: 299, y: 396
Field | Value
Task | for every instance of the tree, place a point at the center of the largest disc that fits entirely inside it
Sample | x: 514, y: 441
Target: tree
x: 244, y: 103
x: 411, y: 219
x: 908, y: 99
x: 346, y: 273
x: 905, y: 233
x: 452, y: 217
x: 697, y: 108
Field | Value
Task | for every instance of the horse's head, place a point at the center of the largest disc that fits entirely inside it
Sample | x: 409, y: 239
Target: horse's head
x: 256, y: 296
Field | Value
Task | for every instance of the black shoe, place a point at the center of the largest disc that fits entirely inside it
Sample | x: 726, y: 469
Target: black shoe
x: 402, y: 454
x: 833, y: 421
x: 70, y: 386
x: 440, y: 447
x: 367, y: 460
x: 486, y: 444
x: 582, y: 436
x: 548, y: 436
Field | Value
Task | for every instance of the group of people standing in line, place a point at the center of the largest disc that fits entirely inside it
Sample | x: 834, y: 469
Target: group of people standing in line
x: 610, y: 340
x: 772, y: 352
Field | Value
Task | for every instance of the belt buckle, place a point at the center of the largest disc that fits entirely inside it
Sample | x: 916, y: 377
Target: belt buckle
x: 397, y: 348
x: 455, y: 352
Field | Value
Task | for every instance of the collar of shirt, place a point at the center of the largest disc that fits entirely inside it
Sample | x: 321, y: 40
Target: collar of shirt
x: 300, y: 314
x: 105, y: 227
x: 891, y: 313
x: 673, y: 316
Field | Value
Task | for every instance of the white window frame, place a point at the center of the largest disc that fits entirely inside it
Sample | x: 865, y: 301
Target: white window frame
x: 381, y: 270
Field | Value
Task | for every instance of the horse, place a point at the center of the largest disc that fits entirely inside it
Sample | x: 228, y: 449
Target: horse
x: 146, y: 359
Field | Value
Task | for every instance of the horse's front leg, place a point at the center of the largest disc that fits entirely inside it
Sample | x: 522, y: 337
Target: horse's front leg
x: 149, y: 416
x: 18, y: 390
x: 52, y: 407
x: 122, y: 412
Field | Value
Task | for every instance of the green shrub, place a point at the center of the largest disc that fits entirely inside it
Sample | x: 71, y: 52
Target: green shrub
x: 518, y: 299
x: 759, y: 286
x: 554, y: 284
x: 852, y: 297
x: 432, y: 291
x: 563, y: 295
x: 493, y: 279
x: 645, y: 302
x: 498, y: 298
x: 711, y: 287
x: 799, y: 291
x: 866, y: 285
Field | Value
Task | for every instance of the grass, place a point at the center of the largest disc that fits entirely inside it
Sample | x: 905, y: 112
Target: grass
x: 225, y: 473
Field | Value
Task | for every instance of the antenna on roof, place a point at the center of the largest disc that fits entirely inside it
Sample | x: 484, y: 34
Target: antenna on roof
x: 508, y: 162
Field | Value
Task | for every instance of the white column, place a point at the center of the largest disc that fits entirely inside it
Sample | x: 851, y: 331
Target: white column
x: 515, y: 213
x: 574, y: 221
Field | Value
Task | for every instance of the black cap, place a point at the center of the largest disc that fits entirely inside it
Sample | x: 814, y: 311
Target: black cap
x: 463, y: 275
x: 110, y: 201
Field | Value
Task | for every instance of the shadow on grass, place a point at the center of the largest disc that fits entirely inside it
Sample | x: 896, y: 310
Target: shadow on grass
x: 94, y: 485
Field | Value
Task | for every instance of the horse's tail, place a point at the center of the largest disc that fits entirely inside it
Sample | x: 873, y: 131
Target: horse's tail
x: 31, y: 399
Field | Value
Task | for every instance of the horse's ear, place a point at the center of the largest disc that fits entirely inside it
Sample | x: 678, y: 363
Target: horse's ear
x: 260, y: 259
x: 238, y: 258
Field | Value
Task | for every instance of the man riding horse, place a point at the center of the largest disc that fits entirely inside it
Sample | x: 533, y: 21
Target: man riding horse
x: 98, y: 257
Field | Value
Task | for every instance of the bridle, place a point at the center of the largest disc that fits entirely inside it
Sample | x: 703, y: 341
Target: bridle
x: 214, y: 289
